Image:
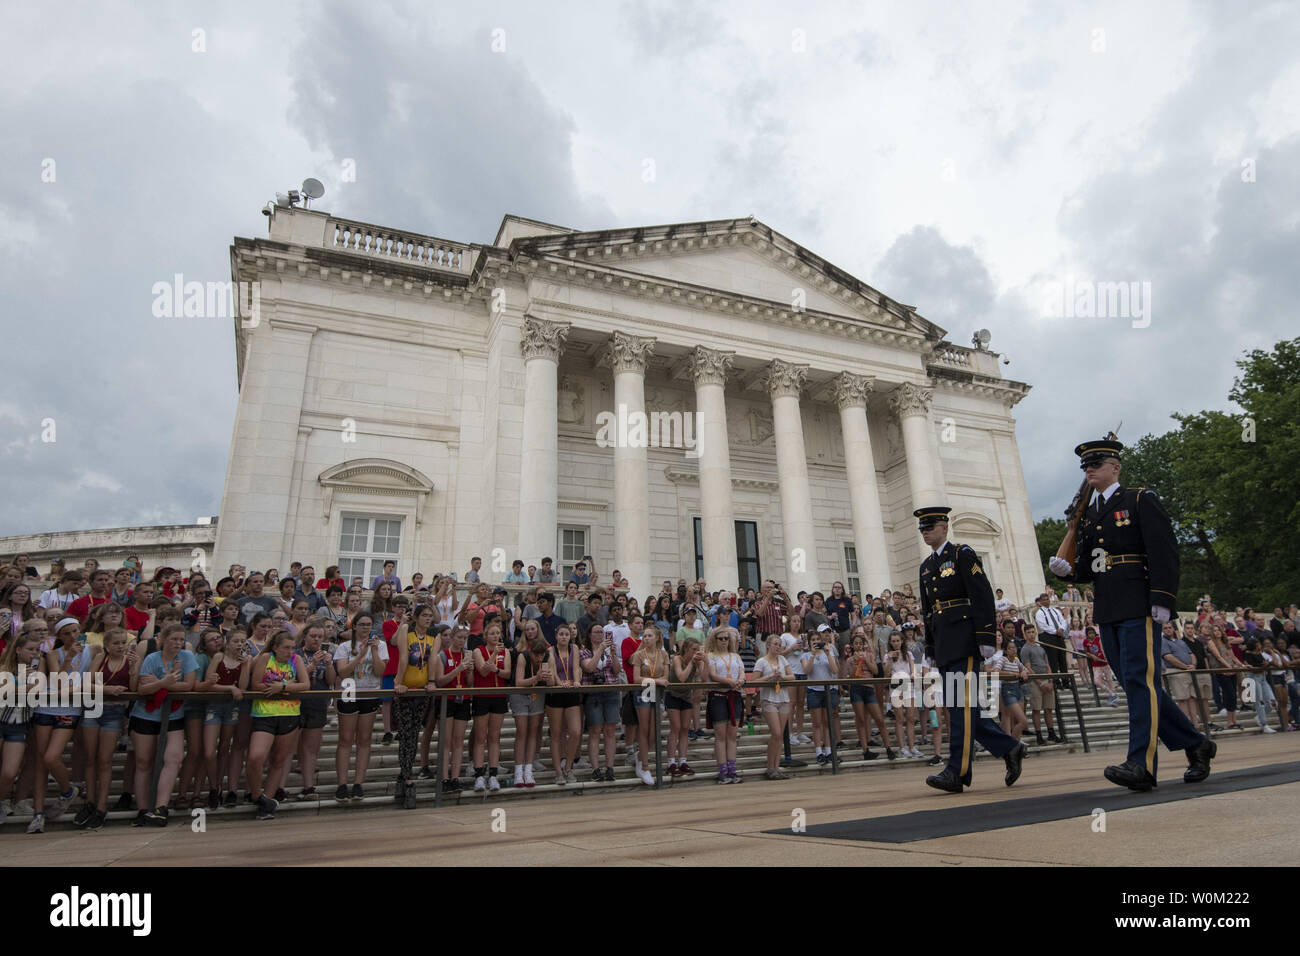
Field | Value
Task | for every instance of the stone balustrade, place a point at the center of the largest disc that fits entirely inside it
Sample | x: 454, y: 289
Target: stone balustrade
x: 391, y: 244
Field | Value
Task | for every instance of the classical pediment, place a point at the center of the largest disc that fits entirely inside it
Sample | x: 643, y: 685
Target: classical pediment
x: 378, y: 474
x: 741, y: 258
x: 378, y: 478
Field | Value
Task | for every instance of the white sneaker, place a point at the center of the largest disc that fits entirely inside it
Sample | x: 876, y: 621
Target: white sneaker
x: 480, y: 783
x: 581, y: 764
x: 630, y: 758
x: 23, y: 808
x: 538, y: 766
x: 1223, y: 712
x: 61, y: 803
x: 560, y: 778
x: 519, y: 776
x: 528, y: 777
x: 493, y: 783
x: 648, y: 780
x: 1269, y: 730
x: 37, y: 824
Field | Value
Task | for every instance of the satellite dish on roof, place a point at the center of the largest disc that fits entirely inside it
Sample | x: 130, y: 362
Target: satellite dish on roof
x: 312, y: 189
x: 981, y: 338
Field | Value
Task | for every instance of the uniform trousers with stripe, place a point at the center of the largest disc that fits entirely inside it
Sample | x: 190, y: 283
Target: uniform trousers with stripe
x: 965, y: 724
x: 1133, y: 649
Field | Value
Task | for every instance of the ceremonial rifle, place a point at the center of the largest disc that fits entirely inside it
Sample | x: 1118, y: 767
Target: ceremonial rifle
x: 1074, y: 513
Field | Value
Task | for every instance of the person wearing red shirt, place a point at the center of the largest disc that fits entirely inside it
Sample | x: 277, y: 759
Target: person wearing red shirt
x: 332, y: 576
x: 82, y: 606
x: 396, y: 657
x: 135, y: 617
x: 475, y: 613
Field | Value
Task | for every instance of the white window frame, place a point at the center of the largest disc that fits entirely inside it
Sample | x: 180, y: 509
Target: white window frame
x: 566, y: 565
x: 853, y: 576
x: 374, y: 559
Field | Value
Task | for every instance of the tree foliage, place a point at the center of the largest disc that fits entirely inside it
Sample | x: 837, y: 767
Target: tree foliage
x: 1231, y: 485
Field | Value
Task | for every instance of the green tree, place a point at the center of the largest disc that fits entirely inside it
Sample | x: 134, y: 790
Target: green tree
x: 1050, y: 532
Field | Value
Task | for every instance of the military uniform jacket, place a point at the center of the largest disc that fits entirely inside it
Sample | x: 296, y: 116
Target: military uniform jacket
x: 957, y: 601
x: 1129, y: 554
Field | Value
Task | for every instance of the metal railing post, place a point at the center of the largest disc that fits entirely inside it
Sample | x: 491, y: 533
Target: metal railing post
x: 830, y: 731
x: 158, y: 753
x: 441, y: 723
x: 1078, y: 713
x: 659, y: 751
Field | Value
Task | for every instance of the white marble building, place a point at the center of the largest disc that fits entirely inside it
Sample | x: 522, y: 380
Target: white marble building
x: 428, y: 400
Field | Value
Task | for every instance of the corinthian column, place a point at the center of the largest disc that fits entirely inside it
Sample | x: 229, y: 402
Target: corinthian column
x: 541, y: 345
x: 627, y: 355
x: 785, y: 381
x: 851, y: 393
x: 911, y: 403
x: 717, y: 521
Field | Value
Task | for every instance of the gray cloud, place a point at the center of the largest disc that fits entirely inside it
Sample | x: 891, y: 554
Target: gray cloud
x: 949, y: 285
x: 446, y: 134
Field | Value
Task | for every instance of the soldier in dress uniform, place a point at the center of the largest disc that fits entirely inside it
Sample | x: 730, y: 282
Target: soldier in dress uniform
x: 1126, y: 549
x: 957, y: 602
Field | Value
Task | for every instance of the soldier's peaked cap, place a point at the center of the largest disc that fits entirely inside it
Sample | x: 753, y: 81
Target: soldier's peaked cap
x: 926, y: 517
x: 1095, y: 452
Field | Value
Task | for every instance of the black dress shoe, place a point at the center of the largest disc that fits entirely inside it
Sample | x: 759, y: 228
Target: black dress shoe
x: 1198, y: 760
x: 945, y: 780
x: 967, y: 780
x: 1013, y: 761
x: 1130, y: 775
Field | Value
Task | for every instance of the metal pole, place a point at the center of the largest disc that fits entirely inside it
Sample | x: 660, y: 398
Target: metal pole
x: 1060, y: 715
x: 158, y: 753
x: 659, y: 750
x: 1078, y: 713
x: 830, y: 729
x: 441, y: 703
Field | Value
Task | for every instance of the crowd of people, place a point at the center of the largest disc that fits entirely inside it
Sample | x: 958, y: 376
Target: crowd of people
x: 533, y: 647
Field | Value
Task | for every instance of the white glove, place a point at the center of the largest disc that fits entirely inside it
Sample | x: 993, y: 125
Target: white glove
x: 1060, y: 567
x: 1159, y: 614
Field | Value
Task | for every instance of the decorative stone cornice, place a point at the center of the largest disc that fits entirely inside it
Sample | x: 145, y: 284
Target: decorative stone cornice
x: 710, y: 366
x: 543, y: 339
x: 909, y: 399
x: 849, y: 389
x: 683, y: 476
x: 1006, y: 391
x: 785, y: 378
x: 627, y: 353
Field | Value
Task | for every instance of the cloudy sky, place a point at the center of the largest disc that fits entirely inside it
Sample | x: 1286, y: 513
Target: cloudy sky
x: 960, y: 160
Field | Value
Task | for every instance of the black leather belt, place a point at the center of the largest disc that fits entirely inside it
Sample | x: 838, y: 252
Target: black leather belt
x: 942, y: 606
x: 1113, y: 560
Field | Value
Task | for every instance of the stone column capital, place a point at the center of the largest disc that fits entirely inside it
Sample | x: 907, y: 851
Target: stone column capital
x: 627, y: 353
x: 542, y: 338
x: 850, y: 389
x: 710, y: 366
x: 909, y: 399
x: 785, y: 378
